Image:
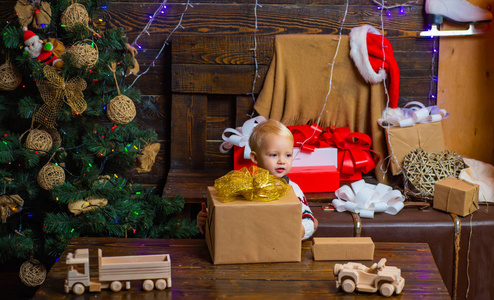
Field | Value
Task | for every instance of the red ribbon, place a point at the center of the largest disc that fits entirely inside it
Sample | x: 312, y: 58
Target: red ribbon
x: 357, y: 154
x: 307, y: 137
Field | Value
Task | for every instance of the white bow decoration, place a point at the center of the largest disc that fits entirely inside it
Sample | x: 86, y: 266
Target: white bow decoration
x: 406, y: 116
x: 366, y: 199
x: 240, y: 136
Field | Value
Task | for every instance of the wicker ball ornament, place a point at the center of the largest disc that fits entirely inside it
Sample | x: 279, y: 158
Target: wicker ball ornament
x: 85, y: 55
x: 39, y: 140
x: 50, y: 175
x: 10, y: 77
x: 121, y: 110
x: 32, y: 273
x: 76, y: 13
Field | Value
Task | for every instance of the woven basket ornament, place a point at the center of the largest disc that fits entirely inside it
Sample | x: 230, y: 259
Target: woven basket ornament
x: 424, y: 169
x: 85, y: 54
x: 39, y: 140
x: 120, y: 110
x: 32, y: 273
x: 10, y: 77
x: 50, y: 175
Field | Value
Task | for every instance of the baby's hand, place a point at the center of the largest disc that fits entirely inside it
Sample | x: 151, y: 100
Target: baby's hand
x: 202, y: 217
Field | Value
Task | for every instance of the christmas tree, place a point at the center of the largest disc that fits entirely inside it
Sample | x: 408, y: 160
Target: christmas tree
x: 69, y: 133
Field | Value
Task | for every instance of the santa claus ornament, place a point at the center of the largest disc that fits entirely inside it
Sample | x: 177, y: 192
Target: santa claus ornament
x: 42, y: 52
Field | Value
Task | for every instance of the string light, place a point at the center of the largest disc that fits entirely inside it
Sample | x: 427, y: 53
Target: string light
x: 256, y: 74
x: 179, y: 25
x: 381, y: 6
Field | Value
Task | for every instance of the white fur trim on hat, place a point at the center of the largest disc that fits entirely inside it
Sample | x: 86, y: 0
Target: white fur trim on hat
x: 360, y: 55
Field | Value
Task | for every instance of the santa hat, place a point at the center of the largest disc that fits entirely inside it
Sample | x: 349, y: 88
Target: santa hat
x: 366, y: 50
x: 29, y: 36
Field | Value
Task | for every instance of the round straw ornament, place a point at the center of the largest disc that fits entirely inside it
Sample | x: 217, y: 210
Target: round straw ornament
x: 121, y: 110
x: 32, y: 273
x: 50, y: 175
x: 76, y: 13
x: 10, y: 77
x: 39, y: 140
x: 84, y: 54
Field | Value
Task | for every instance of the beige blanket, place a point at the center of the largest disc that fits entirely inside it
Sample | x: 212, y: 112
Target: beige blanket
x: 297, y: 83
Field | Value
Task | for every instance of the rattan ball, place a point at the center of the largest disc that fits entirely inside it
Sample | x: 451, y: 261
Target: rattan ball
x: 32, y: 273
x: 84, y: 54
x: 50, y: 175
x: 76, y: 13
x: 39, y: 140
x: 121, y: 110
x: 10, y: 77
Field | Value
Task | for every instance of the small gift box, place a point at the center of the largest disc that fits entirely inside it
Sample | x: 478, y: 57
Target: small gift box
x: 456, y: 196
x: 241, y: 231
x: 402, y: 140
x: 343, y: 248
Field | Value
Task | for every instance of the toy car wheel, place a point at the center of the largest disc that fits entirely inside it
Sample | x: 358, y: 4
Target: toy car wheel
x: 386, y: 289
x: 160, y: 284
x: 348, y: 286
x: 116, y: 286
x: 78, y: 289
x: 148, y: 285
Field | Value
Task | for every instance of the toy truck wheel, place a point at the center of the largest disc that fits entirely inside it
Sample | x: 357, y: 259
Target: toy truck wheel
x: 78, y: 289
x: 387, y: 289
x: 348, y: 286
x: 148, y: 285
x: 116, y: 286
x: 160, y: 284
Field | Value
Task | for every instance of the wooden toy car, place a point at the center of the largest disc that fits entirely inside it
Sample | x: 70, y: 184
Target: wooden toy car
x: 154, y: 270
x: 379, y: 277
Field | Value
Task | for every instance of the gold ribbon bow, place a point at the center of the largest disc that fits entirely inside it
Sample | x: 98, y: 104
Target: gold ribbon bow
x: 54, y: 91
x: 38, y: 12
x: 255, y: 185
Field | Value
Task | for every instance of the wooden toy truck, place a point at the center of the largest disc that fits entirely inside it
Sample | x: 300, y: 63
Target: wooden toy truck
x: 113, y: 271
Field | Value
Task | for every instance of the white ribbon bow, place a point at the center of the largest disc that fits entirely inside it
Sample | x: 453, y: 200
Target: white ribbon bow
x: 240, y: 136
x: 417, y: 113
x: 366, y: 199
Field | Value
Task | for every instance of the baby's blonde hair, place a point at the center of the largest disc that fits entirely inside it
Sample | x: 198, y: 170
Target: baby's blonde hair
x: 260, y: 132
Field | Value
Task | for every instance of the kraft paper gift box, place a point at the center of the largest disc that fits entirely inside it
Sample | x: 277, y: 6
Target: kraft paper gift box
x: 456, y: 196
x: 245, y: 231
x: 401, y: 140
x: 316, y: 179
x: 342, y: 248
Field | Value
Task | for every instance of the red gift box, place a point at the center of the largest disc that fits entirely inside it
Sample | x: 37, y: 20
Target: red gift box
x: 316, y: 179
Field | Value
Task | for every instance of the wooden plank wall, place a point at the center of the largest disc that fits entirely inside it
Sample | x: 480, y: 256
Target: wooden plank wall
x: 212, y: 67
x: 465, y: 90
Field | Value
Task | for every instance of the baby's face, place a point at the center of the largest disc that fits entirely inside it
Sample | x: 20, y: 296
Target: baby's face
x: 275, y: 155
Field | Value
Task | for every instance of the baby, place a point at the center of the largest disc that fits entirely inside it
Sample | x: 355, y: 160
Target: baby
x: 271, y: 143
